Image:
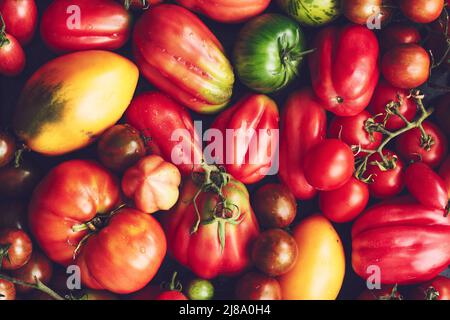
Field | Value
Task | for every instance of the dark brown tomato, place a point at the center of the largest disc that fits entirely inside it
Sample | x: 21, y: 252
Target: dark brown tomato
x: 7, y: 290
x: 7, y: 148
x: 18, y: 181
x: 13, y: 214
x: 257, y: 286
x: 15, y: 249
x: 38, y: 267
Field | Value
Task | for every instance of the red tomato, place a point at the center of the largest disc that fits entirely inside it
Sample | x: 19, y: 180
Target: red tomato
x: 7, y: 290
x: 344, y: 68
x: 436, y: 289
x: 351, y: 130
x: 406, y: 66
x: 411, y: 146
x: 20, y: 18
x: 148, y: 111
x: 171, y: 295
x: 398, y: 33
x: 384, y: 94
x: 386, y: 183
x: 15, y: 249
x: 250, y: 153
x: 329, y: 165
x: 303, y: 125
x: 346, y: 203
x: 444, y: 173
x: 12, y: 56
x: 422, y: 11
x: 76, y: 199
x: 73, y: 25
x: 38, y: 267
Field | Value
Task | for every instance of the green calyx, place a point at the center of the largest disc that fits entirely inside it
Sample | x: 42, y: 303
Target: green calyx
x: 4, y: 248
x: 145, y: 4
x: 3, y: 39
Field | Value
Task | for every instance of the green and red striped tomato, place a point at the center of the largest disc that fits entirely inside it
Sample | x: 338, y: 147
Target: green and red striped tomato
x: 311, y: 12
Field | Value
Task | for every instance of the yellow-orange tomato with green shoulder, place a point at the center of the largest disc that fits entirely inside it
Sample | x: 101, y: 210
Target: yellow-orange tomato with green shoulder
x: 71, y: 100
x: 320, y: 267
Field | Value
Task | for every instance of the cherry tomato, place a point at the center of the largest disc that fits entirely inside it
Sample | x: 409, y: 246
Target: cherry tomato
x: 15, y: 249
x: 329, y: 165
x: 444, y: 173
x: 13, y: 214
x: 20, y: 18
x: 412, y: 147
x: 398, y: 33
x: 7, y: 148
x: 200, y: 289
x: 7, y: 290
x: 422, y: 11
x: 12, y: 56
x: 39, y: 266
x: 274, y: 205
x: 385, y: 293
x: 362, y: 11
x: 436, y: 289
x: 171, y: 295
x: 406, y: 66
x: 346, y: 203
x: 443, y: 114
x: 18, y: 181
x: 274, y: 252
x: 257, y: 286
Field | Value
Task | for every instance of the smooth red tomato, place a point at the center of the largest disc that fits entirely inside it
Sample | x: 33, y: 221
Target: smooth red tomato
x: 444, y: 173
x: 436, y: 289
x: 422, y: 11
x: 411, y: 146
x: 398, y: 33
x: 346, y: 203
x: 20, y: 18
x: 257, y: 286
x: 15, y: 249
x: 7, y: 290
x: 329, y: 165
x: 38, y: 267
x: 406, y: 66
x: 171, y: 295
x: 12, y: 56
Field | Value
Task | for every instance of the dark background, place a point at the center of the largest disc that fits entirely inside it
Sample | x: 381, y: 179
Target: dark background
x: 38, y: 54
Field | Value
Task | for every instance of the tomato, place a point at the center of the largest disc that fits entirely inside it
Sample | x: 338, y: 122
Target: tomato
x: 148, y: 111
x: 38, y: 267
x: 274, y: 205
x: 346, y: 203
x: 72, y: 215
x: 171, y: 291
x: 386, y: 93
x: 385, y: 183
x: 406, y: 66
x: 224, y: 225
x: 13, y: 214
x: 149, y: 292
x: 444, y: 173
x: 102, y: 24
x: 311, y: 13
x: 20, y: 18
x: 227, y: 11
x: 152, y: 183
x: 385, y: 293
x: 422, y: 11
x: 257, y: 286
x: 319, y: 271
x: 15, y: 249
x: 344, y: 68
x: 7, y: 148
x: 399, y: 33
x: 366, y: 11
x: 436, y: 289
x: 407, y: 241
x: 197, y: 73
x: 303, y: 125
x: 274, y: 252
x: 12, y: 56
x: 7, y: 290
x: 249, y: 154
x: 411, y: 145
x: 171, y: 295
x: 351, y: 130
x: 200, y: 289
x: 329, y: 165
x: 18, y: 181
x: 443, y: 114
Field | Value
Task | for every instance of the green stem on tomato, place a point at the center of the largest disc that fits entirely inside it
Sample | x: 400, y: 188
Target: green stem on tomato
x: 38, y: 285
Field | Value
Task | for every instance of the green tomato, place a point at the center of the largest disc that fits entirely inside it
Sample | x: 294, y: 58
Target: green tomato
x: 200, y: 289
x: 311, y: 12
x: 268, y: 52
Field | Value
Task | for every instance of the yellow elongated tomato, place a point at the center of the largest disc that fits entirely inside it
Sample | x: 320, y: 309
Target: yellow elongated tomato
x: 72, y: 99
x: 319, y: 271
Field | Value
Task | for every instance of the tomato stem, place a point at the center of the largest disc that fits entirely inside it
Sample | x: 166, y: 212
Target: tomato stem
x: 38, y: 285
x: 3, y: 39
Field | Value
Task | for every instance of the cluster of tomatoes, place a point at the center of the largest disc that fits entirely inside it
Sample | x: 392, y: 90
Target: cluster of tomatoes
x: 357, y: 145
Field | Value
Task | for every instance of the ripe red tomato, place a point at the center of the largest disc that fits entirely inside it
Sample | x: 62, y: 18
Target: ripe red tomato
x: 15, y: 249
x: 257, y: 286
x: 12, y: 56
x: 7, y: 290
x: 171, y: 295
x: 329, y: 164
x: 398, y: 33
x: 422, y: 11
x: 38, y: 267
x: 346, y: 203
x: 406, y: 66
x: 387, y: 183
x: 436, y: 289
x: 20, y: 18
x: 411, y: 146
x: 444, y: 173
x: 362, y: 11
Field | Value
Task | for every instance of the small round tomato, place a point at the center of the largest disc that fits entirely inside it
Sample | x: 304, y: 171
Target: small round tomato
x: 7, y: 290
x: 120, y: 147
x: 385, y: 183
x: 397, y: 34
x: 200, y: 289
x: 363, y: 11
x: 431, y: 150
x: 422, y: 11
x: 444, y: 173
x: 443, y: 114
x: 274, y: 252
x: 12, y: 56
x: 20, y: 18
x: 351, y: 130
x: 385, y: 293
x: 275, y: 206
x: 329, y: 164
x: 7, y: 148
x: 406, y: 66
x: 346, y: 203
x: 257, y: 286
x: 13, y: 214
x: 436, y: 289
x: 18, y: 181
x: 38, y: 267
x: 171, y: 295
x: 15, y: 249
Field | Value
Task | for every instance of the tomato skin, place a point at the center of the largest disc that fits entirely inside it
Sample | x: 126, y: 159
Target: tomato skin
x: 329, y: 165
x: 346, y: 203
x: 7, y: 290
x: 444, y: 173
x: 19, y: 251
x: 422, y: 11
x: 104, y: 25
x: 409, y: 146
x: 408, y: 241
x: 254, y: 112
x: 398, y: 33
x: 361, y: 12
x: 19, y: 182
x: 344, y: 68
x: 12, y: 57
x: 20, y: 18
x: 385, y: 93
x: 436, y: 289
x: 38, y: 266
x: 303, y: 125
x: 257, y: 286
x: 148, y: 110
x: 406, y: 66
x: 171, y: 295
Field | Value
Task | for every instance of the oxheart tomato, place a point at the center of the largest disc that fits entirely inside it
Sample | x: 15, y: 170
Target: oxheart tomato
x: 15, y: 249
x: 344, y: 68
x: 72, y: 215
x: 227, y: 11
x: 409, y: 242
x: 196, y: 73
x: 74, y: 25
x: 12, y: 56
x: 436, y: 289
x: 20, y: 18
x: 209, y: 232
x: 444, y: 173
x: 422, y: 11
x: 249, y: 154
x: 303, y: 125
x: 398, y: 33
x: 168, y: 129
